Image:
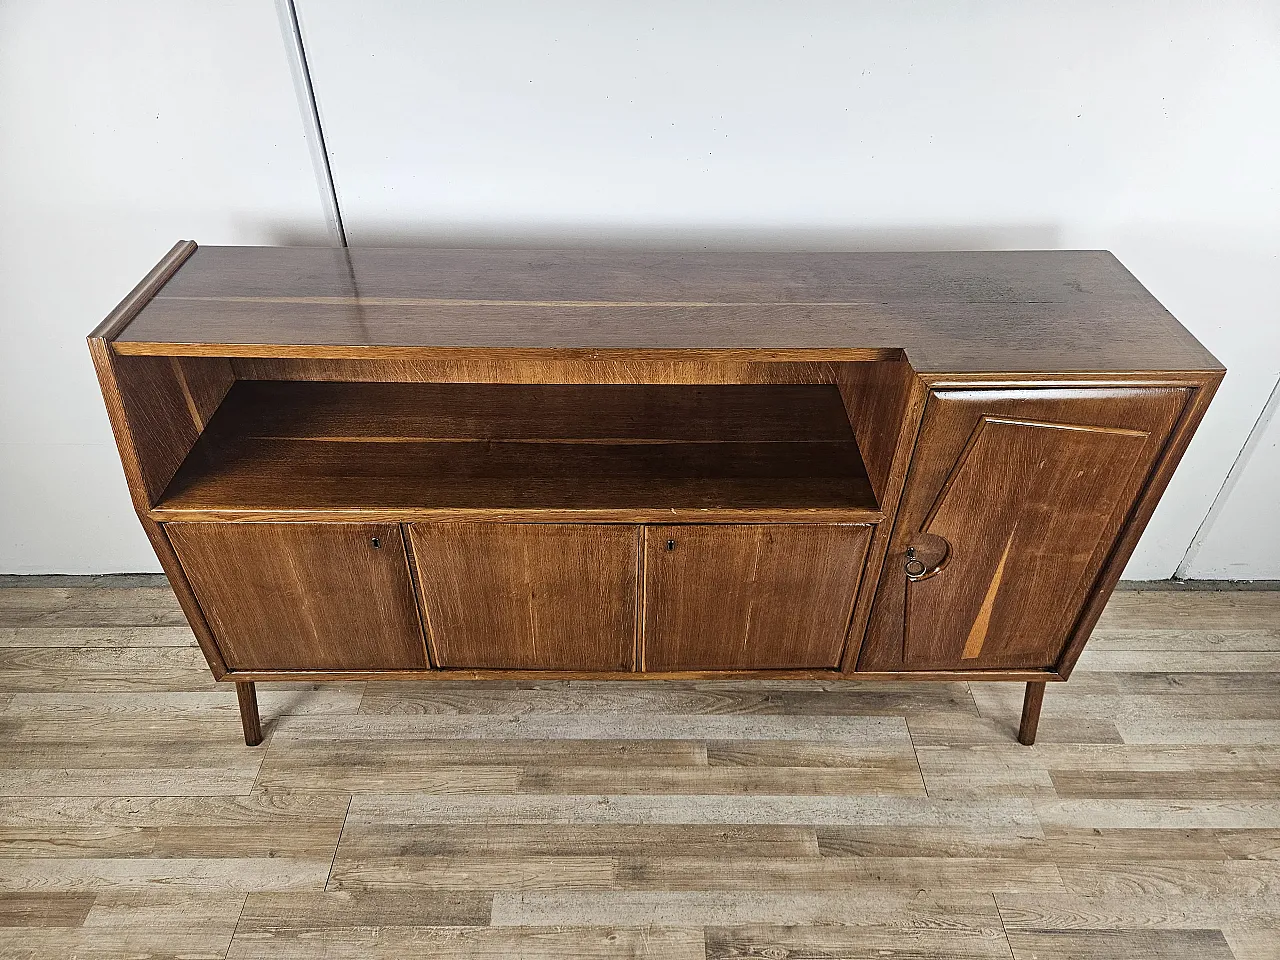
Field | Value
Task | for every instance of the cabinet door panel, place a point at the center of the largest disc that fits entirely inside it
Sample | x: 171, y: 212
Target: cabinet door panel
x: 523, y: 596
x: 749, y: 596
x: 304, y: 596
x: 1014, y: 500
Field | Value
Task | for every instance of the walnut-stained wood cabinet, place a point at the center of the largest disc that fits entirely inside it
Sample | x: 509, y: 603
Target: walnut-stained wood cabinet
x: 537, y: 464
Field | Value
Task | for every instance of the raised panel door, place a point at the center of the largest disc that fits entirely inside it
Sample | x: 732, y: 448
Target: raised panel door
x: 1013, y: 502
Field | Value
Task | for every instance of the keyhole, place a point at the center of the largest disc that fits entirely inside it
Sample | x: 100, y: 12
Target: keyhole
x: 671, y: 545
x: 375, y: 542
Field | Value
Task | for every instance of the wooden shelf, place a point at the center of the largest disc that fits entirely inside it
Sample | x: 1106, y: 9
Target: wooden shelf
x: 278, y: 449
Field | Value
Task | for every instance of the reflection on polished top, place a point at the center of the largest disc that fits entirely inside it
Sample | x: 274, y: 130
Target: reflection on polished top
x: 960, y: 312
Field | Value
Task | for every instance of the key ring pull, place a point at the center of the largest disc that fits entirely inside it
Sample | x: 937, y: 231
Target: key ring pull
x: 915, y: 567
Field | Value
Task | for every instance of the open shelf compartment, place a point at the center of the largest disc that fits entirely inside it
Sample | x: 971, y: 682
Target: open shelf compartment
x: 630, y: 453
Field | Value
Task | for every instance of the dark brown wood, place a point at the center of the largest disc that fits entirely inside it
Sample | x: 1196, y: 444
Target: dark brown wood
x: 415, y: 579
x: 163, y: 412
x: 251, y: 478
x: 147, y: 471
x: 186, y: 596
x: 247, y: 695
x: 544, y: 413
x: 105, y: 365
x: 538, y: 369
x: 304, y: 596
x: 1201, y: 395
x: 157, y: 412
x: 869, y: 416
x: 611, y: 452
x: 1013, y: 504
x: 141, y: 295
x: 1001, y: 311
x: 876, y: 397
x: 204, y: 382
x: 793, y: 423
x: 1032, y: 700
x: 756, y: 596
x: 528, y: 596
x: 821, y: 675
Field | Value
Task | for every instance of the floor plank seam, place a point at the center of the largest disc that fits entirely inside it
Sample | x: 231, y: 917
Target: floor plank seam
x: 341, y: 830
x: 977, y: 707
x: 915, y: 753
x: 265, y: 747
x: 236, y: 927
x: 1004, y: 931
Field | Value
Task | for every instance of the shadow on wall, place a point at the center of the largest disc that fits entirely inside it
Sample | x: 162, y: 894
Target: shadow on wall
x: 691, y: 237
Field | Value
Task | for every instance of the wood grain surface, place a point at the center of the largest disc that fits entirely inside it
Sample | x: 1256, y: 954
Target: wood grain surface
x: 310, y: 596
x: 628, y: 819
x: 1013, y: 504
x: 533, y: 413
x: 1028, y: 311
x: 528, y: 596
x: 749, y: 596
x: 540, y: 370
x: 622, y: 452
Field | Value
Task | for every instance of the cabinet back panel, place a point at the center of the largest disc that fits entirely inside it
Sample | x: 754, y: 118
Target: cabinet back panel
x: 277, y: 446
x: 603, y: 413
x: 534, y: 370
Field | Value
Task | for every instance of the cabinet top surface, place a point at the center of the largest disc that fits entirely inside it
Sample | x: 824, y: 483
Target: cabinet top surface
x: 953, y: 312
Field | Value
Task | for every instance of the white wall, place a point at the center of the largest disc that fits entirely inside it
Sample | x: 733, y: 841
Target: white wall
x: 1238, y: 540
x: 1148, y: 128
x: 124, y: 127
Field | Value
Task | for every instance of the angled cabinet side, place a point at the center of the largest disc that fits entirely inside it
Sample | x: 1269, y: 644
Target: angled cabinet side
x: 155, y: 425
x: 1014, y: 502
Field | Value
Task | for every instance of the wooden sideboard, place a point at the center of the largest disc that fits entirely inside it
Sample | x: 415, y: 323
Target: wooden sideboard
x: 372, y: 463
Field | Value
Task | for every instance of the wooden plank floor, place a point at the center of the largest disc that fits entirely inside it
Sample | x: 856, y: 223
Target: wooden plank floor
x: 577, y: 820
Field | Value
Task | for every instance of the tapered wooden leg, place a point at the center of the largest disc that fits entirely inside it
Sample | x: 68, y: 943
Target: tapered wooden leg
x: 1031, y: 704
x: 248, y: 697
